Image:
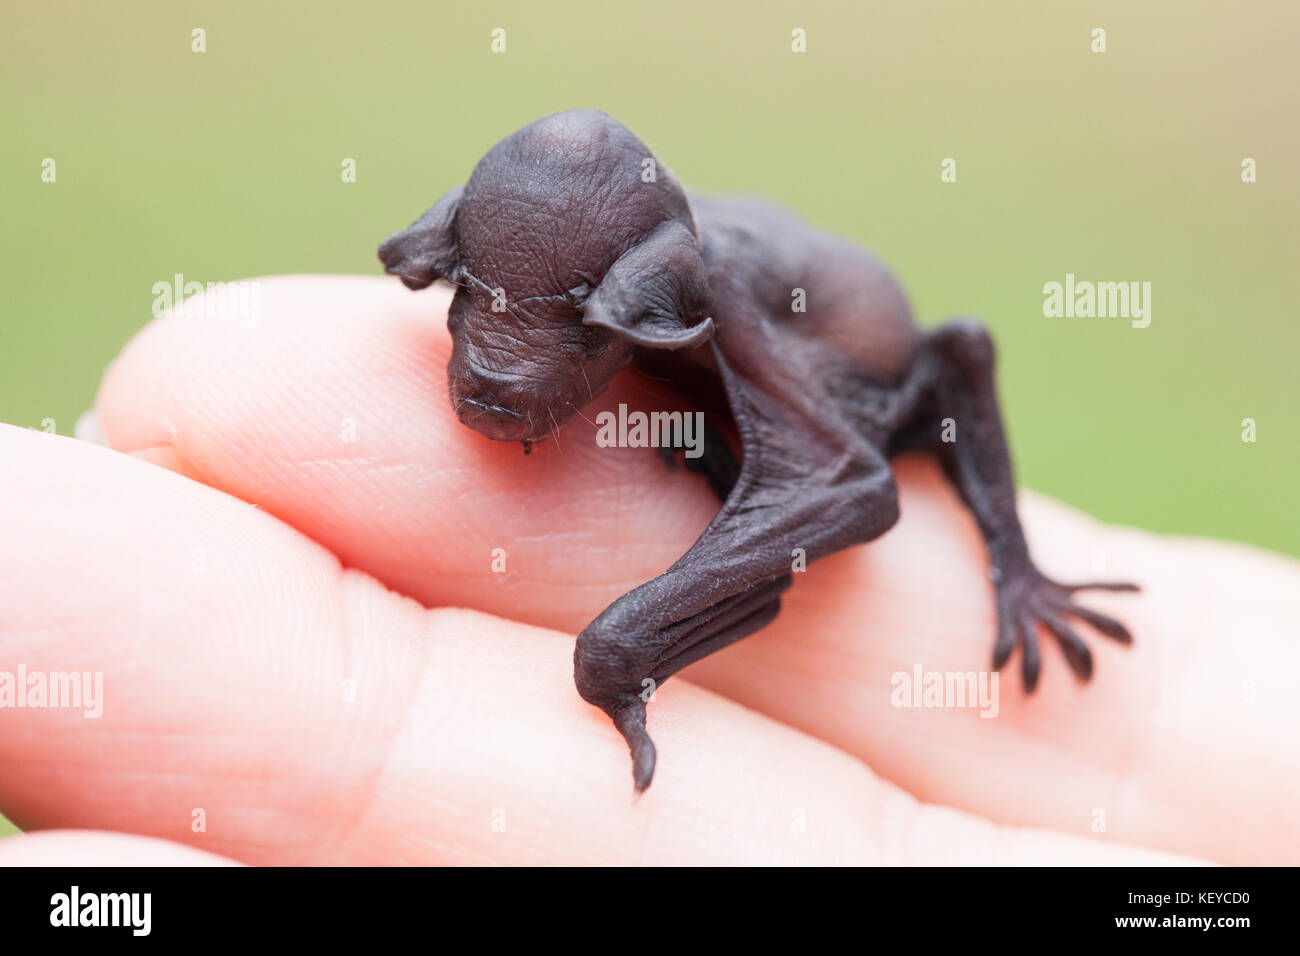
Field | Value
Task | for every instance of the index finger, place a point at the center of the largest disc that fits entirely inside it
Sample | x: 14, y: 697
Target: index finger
x: 331, y: 412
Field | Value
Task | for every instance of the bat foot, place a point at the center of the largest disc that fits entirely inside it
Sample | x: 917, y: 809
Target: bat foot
x: 625, y: 707
x: 629, y: 718
x: 1029, y: 599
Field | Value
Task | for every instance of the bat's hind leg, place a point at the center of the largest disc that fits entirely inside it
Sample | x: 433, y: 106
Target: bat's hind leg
x: 960, y: 400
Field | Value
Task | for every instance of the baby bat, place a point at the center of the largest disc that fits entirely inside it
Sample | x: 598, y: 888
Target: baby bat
x: 575, y: 254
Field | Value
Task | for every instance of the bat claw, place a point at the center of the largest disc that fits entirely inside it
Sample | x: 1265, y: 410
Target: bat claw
x: 629, y: 718
x: 1029, y: 599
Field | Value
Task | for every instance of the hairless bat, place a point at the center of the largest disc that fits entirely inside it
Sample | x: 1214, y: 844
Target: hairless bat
x: 575, y: 255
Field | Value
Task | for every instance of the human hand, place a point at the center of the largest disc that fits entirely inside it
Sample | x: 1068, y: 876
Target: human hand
x: 274, y: 668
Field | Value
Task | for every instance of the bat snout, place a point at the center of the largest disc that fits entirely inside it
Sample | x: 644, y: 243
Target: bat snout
x: 492, y: 420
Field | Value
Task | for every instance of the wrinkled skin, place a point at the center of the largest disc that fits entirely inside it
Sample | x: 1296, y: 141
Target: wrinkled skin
x: 572, y: 262
x: 527, y: 241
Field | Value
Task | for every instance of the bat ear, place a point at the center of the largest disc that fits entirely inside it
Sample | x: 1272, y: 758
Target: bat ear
x: 426, y: 251
x: 656, y: 295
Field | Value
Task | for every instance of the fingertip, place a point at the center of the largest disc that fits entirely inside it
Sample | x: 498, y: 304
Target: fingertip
x: 167, y: 456
x: 90, y: 429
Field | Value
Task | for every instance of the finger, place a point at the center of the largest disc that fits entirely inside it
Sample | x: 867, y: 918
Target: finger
x: 261, y: 703
x: 1031, y: 661
x: 82, y: 848
x: 1073, y: 648
x: 422, y: 503
x: 332, y: 414
x: 1101, y: 623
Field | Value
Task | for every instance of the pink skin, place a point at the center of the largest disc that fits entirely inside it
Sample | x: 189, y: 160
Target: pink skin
x: 95, y: 848
x: 224, y: 687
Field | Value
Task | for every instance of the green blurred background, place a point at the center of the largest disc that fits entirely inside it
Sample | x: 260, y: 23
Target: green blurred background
x: 1123, y: 165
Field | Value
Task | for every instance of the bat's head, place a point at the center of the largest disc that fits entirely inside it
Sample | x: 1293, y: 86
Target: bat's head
x: 570, y: 248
